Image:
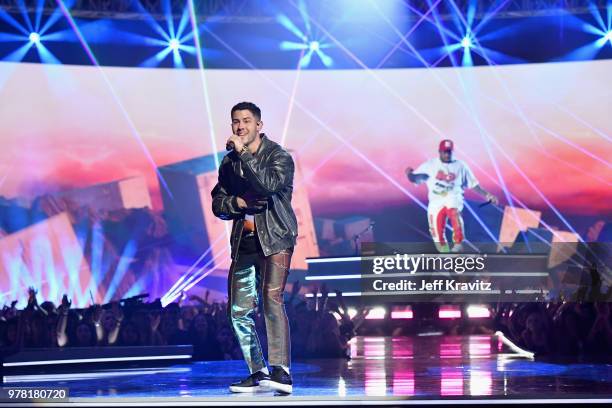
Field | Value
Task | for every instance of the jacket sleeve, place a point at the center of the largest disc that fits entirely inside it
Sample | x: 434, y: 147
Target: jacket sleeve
x: 224, y: 205
x: 272, y: 178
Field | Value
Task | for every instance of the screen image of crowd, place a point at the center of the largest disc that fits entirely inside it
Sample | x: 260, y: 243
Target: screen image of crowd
x: 321, y: 326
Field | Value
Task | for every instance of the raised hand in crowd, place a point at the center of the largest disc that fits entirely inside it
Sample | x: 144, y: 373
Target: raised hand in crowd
x: 154, y: 322
x: 97, y: 316
x: 9, y: 312
x: 117, y: 315
x: 360, y: 317
x: 62, y: 321
x: 324, y: 297
x: 341, y: 308
x: 32, y: 302
x: 295, y: 290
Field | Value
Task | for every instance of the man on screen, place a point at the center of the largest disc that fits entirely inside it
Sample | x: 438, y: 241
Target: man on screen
x: 254, y: 190
x: 446, y: 179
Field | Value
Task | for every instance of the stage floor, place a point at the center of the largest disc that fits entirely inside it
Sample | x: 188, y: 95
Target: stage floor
x: 398, y: 370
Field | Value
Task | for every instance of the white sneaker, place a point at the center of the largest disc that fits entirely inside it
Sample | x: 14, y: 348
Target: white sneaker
x: 457, y: 248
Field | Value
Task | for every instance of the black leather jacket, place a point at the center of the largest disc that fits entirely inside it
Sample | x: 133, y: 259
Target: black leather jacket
x: 268, y: 175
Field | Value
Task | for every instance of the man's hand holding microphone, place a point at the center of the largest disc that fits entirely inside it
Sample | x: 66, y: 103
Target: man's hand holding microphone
x: 234, y: 143
x: 250, y: 202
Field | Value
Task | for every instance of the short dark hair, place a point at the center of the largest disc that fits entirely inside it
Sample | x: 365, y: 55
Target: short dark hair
x: 250, y: 106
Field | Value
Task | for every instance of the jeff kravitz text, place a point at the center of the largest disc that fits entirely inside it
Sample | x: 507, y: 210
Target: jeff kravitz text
x: 437, y: 285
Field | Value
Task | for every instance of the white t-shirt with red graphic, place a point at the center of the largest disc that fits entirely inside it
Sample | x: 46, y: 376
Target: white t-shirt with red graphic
x: 446, y: 182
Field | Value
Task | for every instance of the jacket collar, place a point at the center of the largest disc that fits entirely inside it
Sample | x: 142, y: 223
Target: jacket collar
x: 264, y: 143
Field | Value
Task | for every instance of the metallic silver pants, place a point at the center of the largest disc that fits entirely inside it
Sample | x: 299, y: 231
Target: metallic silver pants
x: 250, y: 275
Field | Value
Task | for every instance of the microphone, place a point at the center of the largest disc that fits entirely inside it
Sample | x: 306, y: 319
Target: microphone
x: 485, y: 203
x: 229, y: 146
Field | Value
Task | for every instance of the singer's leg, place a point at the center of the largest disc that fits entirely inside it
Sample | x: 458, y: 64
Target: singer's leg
x: 437, y: 222
x: 458, y: 232
x: 274, y: 278
x: 242, y: 292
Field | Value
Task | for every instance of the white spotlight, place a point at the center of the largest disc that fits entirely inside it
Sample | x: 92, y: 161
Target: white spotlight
x: 174, y: 44
x: 376, y: 313
x: 608, y: 37
x: 478, y: 311
x: 35, y: 38
x: 466, y: 42
x: 314, y: 46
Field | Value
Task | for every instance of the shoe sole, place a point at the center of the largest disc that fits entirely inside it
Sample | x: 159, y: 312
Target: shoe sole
x: 236, y: 389
x: 273, y: 385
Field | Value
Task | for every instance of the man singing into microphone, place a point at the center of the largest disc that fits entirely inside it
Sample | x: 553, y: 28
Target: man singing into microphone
x: 446, y: 178
x: 254, y: 190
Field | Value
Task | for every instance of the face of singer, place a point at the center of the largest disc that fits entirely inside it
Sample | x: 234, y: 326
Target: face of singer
x: 246, y: 126
x: 446, y: 156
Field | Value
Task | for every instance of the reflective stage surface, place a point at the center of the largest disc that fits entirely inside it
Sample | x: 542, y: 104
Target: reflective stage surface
x: 406, y: 368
